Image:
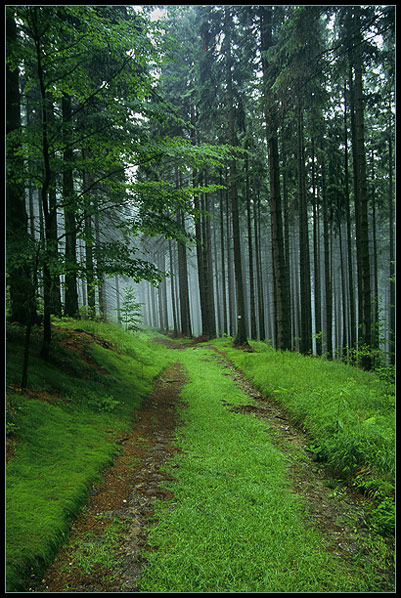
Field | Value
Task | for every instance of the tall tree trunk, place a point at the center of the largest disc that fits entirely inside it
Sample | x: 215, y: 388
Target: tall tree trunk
x: 51, y: 233
x: 89, y: 262
x: 327, y: 271
x: 162, y: 325
x: 172, y: 290
x: 71, y: 292
x: 230, y: 281
x: 185, y: 312
x: 253, y: 332
x: 48, y: 214
x: 164, y: 296
x: 200, y: 244
x: 343, y: 280
x: 240, y: 338
x: 210, y: 303
x: 375, y: 294
x: 361, y: 199
x: 306, y: 311
x: 217, y: 279
x: 223, y: 264
x: 281, y: 286
x: 391, y: 238
x: 316, y: 258
x: 261, y: 302
x: 99, y: 273
x: 118, y: 305
x: 350, y: 269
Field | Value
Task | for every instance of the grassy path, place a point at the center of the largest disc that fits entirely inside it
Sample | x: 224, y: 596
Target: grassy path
x: 103, y: 551
x: 234, y: 525
x: 211, y: 487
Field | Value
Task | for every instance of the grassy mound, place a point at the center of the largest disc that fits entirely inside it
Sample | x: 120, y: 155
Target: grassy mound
x: 64, y: 429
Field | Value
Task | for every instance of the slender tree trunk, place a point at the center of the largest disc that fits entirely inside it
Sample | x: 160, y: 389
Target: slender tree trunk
x: 185, y: 310
x: 162, y: 323
x: 99, y: 273
x: 164, y: 296
x: 83, y: 284
x: 172, y: 290
x: 90, y: 275
x: 327, y: 271
x: 375, y: 294
x: 231, y: 298
x: 261, y: 302
x: 71, y: 292
x: 210, y: 303
x: 350, y: 270
x: 89, y: 263
x: 240, y: 338
x: 48, y: 214
x: 281, y: 287
x: 343, y: 293
x: 295, y: 294
x: 118, y: 299
x: 200, y: 247
x: 306, y: 311
x: 391, y: 238
x: 217, y: 279
x: 361, y: 199
x: 316, y: 258
x: 223, y: 264
x: 186, y: 327
x: 253, y: 332
x: 51, y: 232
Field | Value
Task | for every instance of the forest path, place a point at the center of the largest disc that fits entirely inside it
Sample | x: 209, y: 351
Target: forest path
x: 105, y: 550
x: 335, y: 509
x: 102, y: 553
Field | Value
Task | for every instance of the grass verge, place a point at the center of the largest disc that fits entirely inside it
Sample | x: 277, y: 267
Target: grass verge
x: 348, y: 413
x: 233, y: 524
x: 64, y: 430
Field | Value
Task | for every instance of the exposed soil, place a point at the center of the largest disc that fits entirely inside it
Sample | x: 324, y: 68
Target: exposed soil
x: 126, y: 494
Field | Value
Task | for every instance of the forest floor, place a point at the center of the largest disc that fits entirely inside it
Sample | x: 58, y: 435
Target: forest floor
x: 107, y: 548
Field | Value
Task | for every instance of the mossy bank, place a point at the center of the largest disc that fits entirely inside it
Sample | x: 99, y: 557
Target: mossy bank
x: 64, y: 428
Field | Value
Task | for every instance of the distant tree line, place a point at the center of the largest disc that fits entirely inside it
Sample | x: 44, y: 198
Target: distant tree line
x: 240, y: 159
x: 300, y: 246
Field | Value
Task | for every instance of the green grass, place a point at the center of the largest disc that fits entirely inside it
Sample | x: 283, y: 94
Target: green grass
x: 233, y: 524
x: 348, y: 413
x: 65, y: 434
x: 91, y: 551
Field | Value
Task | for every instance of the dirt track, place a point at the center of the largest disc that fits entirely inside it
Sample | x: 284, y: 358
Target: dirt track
x: 131, y: 485
x: 126, y: 494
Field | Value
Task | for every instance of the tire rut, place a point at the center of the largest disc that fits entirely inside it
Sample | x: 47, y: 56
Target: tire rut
x: 125, y: 498
x: 335, y: 508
